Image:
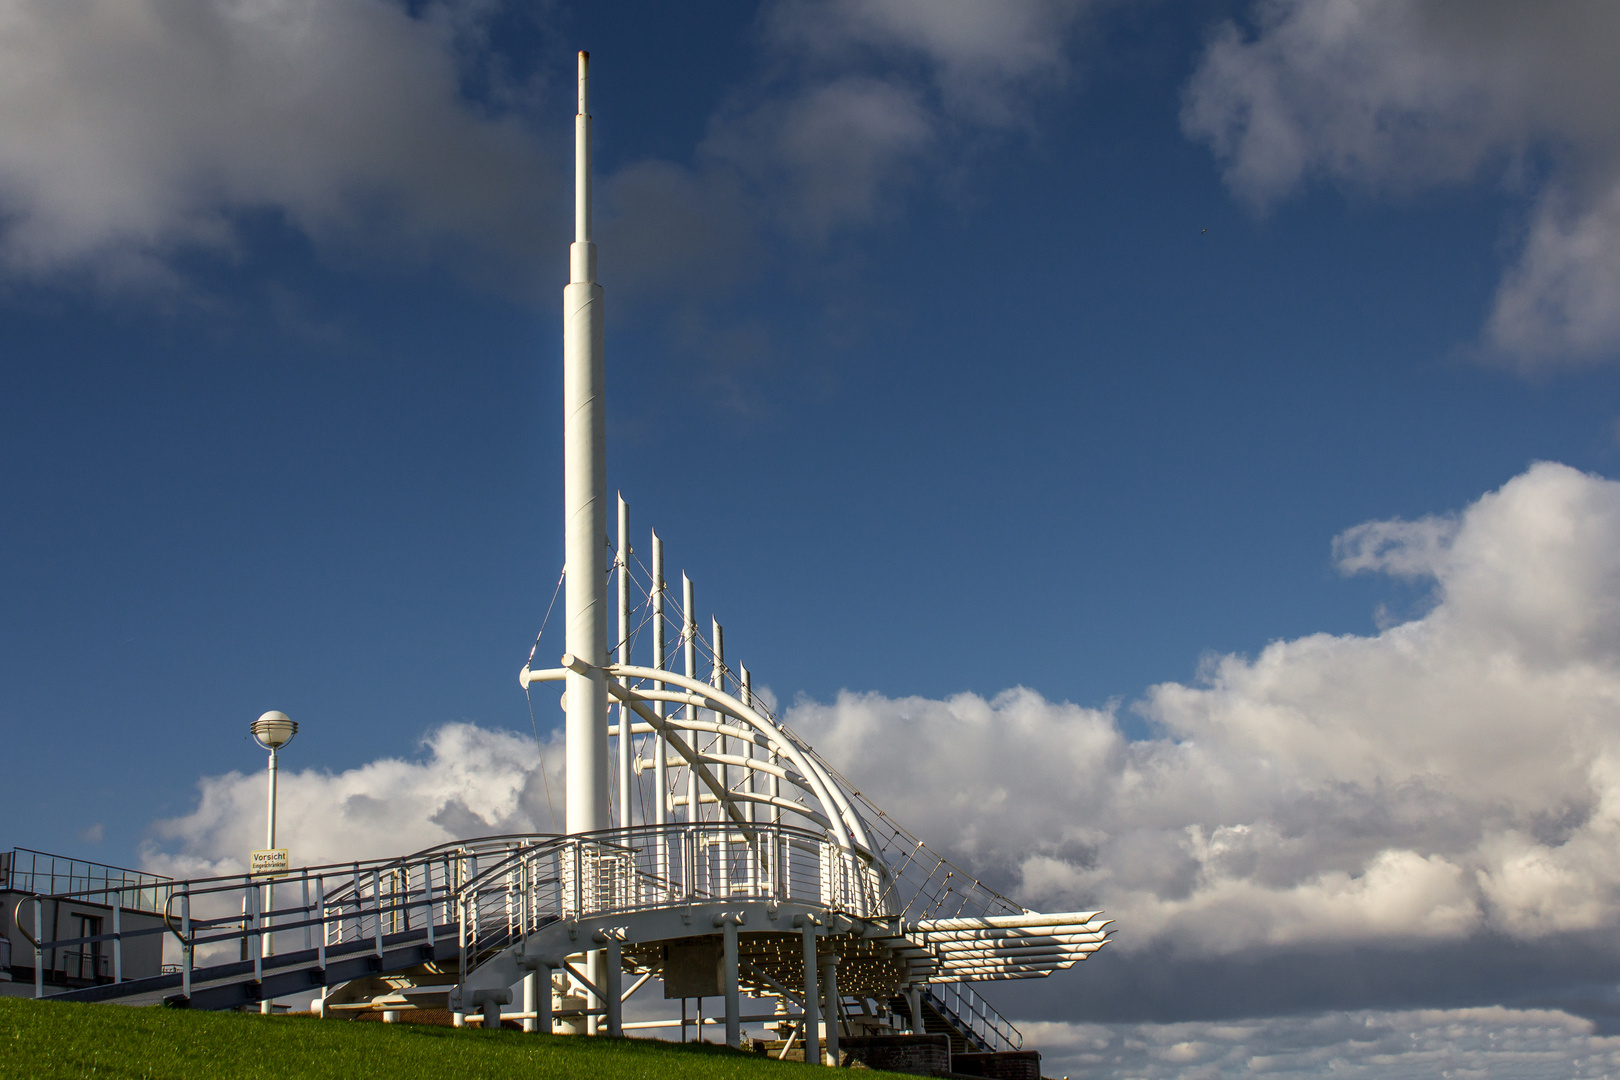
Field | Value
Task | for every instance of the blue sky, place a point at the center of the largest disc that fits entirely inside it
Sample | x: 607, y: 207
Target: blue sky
x: 948, y: 353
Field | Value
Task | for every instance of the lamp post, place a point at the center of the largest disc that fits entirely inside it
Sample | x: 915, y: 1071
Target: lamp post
x: 272, y: 731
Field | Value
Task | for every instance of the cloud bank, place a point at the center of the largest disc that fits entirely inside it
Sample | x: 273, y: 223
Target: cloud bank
x: 854, y: 105
x: 469, y: 782
x: 1394, y: 96
x: 1452, y: 776
x: 135, y: 132
x: 131, y: 130
x: 1527, y: 1044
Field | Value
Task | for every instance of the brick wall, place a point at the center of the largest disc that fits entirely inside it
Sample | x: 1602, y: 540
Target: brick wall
x: 1007, y: 1065
x: 921, y: 1055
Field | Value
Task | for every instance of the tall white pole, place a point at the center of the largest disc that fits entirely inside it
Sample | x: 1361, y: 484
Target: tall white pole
x: 689, y: 639
x: 660, y: 658
x: 746, y: 694
x: 627, y: 739
x: 717, y: 678
x: 585, y: 500
x: 268, y: 1006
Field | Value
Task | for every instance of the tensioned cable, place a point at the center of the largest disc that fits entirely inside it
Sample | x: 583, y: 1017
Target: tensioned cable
x: 534, y: 725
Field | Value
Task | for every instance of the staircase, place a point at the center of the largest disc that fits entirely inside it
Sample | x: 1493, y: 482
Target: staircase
x: 972, y: 1024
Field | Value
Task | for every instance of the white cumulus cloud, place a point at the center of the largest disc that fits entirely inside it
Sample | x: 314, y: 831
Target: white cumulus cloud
x: 1455, y: 775
x: 131, y: 130
x: 1526, y: 1044
x: 1397, y: 95
x: 469, y: 782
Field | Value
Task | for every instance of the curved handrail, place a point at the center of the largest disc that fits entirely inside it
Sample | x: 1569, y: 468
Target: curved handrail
x: 827, y: 790
x: 16, y: 918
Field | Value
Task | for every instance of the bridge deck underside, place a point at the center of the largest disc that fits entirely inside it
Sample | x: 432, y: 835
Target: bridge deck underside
x: 226, y: 986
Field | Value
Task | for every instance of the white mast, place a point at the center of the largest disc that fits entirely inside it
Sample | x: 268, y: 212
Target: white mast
x: 585, y: 500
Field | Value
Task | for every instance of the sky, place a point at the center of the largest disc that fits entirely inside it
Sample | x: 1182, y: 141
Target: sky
x: 1163, y: 453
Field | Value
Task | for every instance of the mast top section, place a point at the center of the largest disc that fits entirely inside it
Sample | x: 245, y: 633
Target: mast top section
x: 582, y: 256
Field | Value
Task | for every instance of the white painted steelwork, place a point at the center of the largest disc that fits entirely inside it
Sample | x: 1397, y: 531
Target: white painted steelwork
x: 817, y: 897
x: 272, y: 730
x: 585, y: 499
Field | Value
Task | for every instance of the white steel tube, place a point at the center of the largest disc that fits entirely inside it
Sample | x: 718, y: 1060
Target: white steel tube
x: 689, y: 640
x: 626, y: 720
x: 613, y: 988
x: 812, y: 998
x: 1018, y: 933
x: 39, y: 953
x: 1010, y: 922
x: 270, y: 806
x: 660, y: 748
x: 267, y: 945
x: 830, y: 1003
x: 746, y: 693
x: 728, y: 973
x: 585, y: 498
x: 717, y: 679
x: 827, y: 792
x: 186, y: 949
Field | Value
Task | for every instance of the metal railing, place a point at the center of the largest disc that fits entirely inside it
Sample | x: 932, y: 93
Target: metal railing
x: 651, y: 866
x: 958, y: 1004
x: 489, y: 891
x: 29, y: 871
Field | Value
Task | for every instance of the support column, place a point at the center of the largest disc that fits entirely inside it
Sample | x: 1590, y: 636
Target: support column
x: 812, y: 998
x: 543, y: 1020
x: 829, y: 986
x: 613, y: 988
x: 595, y: 968
x: 531, y: 1001
x: 914, y: 998
x: 492, y: 1014
x: 728, y: 971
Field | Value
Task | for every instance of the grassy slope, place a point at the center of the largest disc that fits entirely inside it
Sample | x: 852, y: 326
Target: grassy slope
x: 57, y: 1039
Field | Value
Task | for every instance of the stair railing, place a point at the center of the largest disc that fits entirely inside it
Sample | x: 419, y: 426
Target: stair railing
x: 975, y: 1018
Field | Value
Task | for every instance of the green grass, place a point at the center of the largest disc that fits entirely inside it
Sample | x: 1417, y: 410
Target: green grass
x: 59, y: 1039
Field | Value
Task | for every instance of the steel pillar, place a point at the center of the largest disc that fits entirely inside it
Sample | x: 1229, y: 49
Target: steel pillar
x: 728, y: 971
x: 531, y: 1001
x: 613, y: 987
x: 829, y: 987
x: 812, y: 999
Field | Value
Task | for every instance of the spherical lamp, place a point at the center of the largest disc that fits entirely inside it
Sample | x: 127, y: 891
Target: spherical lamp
x: 274, y: 730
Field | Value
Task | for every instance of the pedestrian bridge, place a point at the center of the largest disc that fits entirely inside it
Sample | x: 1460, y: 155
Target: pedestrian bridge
x: 794, y: 918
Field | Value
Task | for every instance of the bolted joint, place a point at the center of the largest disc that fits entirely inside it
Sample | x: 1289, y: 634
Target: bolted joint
x: 535, y: 963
